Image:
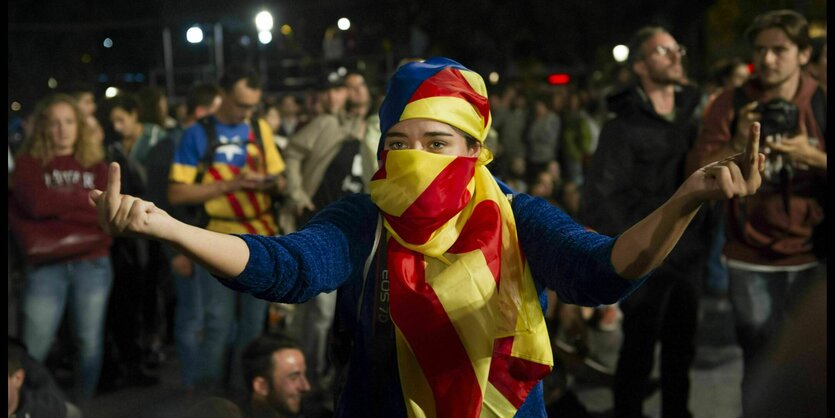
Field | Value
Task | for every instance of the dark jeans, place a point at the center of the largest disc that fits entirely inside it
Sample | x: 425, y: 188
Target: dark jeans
x: 665, y: 309
x: 762, y: 303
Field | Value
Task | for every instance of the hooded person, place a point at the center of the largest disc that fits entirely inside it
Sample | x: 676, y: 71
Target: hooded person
x: 441, y: 273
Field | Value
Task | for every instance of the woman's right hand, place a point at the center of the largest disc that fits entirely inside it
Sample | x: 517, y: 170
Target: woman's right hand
x: 127, y: 215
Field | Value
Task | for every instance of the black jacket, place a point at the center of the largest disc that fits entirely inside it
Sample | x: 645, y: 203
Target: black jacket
x: 639, y: 164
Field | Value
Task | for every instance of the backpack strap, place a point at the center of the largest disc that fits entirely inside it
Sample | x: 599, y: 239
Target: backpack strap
x: 255, y: 123
x: 212, y: 143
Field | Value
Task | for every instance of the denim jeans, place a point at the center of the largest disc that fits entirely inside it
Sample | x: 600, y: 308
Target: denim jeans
x: 231, y: 320
x: 82, y: 286
x: 188, y: 324
x: 761, y: 302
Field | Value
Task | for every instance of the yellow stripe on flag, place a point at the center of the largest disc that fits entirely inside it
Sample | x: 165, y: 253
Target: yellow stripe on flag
x: 402, y: 193
x: 475, y: 81
x: 495, y: 405
x: 420, y: 402
x: 467, y: 291
x: 443, y: 238
x: 221, y: 206
x: 452, y: 110
x: 535, y: 344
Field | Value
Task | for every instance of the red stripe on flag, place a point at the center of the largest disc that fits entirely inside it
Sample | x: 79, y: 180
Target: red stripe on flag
x: 450, y: 82
x: 431, y: 209
x: 483, y: 231
x: 270, y: 231
x: 250, y: 195
x: 381, y: 172
x: 418, y: 313
x: 249, y: 228
x: 233, y: 201
x: 514, y: 377
x: 250, y: 162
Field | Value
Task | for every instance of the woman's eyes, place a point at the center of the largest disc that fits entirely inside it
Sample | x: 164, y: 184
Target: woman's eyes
x: 431, y: 146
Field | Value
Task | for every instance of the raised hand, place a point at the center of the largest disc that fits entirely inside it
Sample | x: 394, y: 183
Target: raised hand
x: 124, y: 214
x: 735, y: 176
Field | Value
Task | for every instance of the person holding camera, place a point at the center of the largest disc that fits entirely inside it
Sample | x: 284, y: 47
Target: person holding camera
x: 772, y: 249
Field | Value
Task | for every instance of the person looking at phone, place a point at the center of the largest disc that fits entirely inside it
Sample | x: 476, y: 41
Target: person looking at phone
x: 228, y: 166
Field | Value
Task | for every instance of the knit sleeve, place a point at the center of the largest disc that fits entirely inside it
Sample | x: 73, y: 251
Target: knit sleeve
x: 566, y: 257
x: 330, y: 250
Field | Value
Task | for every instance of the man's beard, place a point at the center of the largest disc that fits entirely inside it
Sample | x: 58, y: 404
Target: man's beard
x: 279, y: 405
x: 662, y: 77
x: 774, y: 81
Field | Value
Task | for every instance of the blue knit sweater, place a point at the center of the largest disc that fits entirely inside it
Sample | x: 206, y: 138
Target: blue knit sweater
x: 330, y: 252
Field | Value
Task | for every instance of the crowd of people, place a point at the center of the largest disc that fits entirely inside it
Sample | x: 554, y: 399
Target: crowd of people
x: 293, y: 246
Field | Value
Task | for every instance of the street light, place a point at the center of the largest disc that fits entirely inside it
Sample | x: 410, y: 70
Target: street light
x: 620, y: 53
x: 264, y: 21
x: 265, y: 36
x: 194, y: 35
x: 343, y: 23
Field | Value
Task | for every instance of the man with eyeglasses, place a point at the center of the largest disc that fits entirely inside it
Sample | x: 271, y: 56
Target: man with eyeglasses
x: 638, y: 164
x: 228, y: 165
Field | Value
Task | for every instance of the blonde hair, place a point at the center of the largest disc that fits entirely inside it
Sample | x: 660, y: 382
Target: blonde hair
x: 40, y: 145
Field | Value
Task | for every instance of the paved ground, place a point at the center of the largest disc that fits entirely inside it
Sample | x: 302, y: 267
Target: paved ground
x: 714, y: 391
x: 715, y: 378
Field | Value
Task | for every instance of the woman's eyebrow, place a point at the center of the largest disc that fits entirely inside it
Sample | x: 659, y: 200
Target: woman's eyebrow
x: 437, y: 133
x: 395, y: 134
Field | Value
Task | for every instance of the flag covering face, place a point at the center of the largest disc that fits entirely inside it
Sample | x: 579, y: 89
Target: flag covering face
x: 470, y: 335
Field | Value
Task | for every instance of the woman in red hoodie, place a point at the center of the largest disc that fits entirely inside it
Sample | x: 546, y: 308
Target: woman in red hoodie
x: 54, y: 172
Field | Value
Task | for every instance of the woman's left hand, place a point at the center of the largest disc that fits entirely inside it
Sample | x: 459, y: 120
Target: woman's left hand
x: 735, y: 176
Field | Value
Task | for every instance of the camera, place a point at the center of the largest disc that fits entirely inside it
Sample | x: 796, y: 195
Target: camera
x: 778, y: 117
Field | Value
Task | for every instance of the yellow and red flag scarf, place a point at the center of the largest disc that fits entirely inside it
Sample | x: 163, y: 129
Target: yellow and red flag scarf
x: 470, y: 334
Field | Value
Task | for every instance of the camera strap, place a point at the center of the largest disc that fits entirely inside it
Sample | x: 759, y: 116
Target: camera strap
x: 382, y: 329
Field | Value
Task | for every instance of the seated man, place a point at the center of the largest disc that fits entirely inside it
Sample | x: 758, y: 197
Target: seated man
x: 274, y: 373
x: 32, y: 391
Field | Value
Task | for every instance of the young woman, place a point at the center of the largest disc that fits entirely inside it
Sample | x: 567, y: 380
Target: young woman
x: 441, y: 272
x: 55, y: 171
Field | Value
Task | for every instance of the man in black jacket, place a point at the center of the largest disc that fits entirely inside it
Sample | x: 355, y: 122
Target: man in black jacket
x: 638, y: 165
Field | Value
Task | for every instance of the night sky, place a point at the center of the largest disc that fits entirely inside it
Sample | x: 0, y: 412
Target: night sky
x: 63, y: 39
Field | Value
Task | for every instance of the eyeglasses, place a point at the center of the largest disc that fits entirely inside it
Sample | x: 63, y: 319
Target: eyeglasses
x: 667, y: 50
